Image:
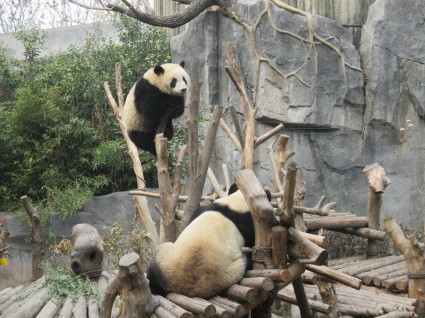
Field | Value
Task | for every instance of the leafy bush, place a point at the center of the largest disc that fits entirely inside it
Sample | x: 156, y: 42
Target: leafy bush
x: 59, y: 141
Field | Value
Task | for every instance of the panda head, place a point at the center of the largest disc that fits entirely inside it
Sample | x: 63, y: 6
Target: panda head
x: 169, y: 78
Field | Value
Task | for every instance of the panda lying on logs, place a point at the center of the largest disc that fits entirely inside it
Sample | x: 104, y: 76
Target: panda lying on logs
x: 161, y: 88
x: 207, y: 257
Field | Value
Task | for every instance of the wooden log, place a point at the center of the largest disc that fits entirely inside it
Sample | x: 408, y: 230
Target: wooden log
x: 32, y: 305
x: 242, y: 293
x: 220, y: 311
x: 161, y: 312
x: 303, y: 249
x: 319, y: 240
x: 335, y: 275
x: 377, y: 281
x: 398, y: 314
x: 66, y: 310
x: 193, y: 305
x: 361, y: 263
x: 93, y: 310
x: 289, y: 297
x: 373, y: 293
x: 328, y: 295
x: 258, y: 283
x: 50, y: 309
x: 231, y: 306
x: 415, y: 260
x: 378, y: 180
x: 13, y: 304
x: 368, y: 276
x: 364, y: 232
x: 378, y: 263
x: 11, y: 292
x: 396, y: 284
x: 385, y: 301
x: 279, y: 246
x: 359, y: 311
x: 331, y: 223
x: 173, y: 308
x: 80, y: 308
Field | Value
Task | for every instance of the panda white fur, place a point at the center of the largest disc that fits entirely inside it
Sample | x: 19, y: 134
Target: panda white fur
x: 207, y: 257
x: 161, y: 88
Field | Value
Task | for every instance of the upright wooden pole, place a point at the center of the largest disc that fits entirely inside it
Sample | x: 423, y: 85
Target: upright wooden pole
x: 36, y: 238
x: 377, y: 180
x: 414, y: 254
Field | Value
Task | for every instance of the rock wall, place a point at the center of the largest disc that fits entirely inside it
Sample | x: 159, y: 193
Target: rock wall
x: 335, y: 126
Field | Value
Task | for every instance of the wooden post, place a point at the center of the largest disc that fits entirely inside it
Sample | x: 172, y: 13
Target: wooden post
x: 36, y: 237
x: 377, y: 180
x: 169, y: 194
x: 263, y: 217
x: 198, y: 163
x: 136, y: 298
x: 4, y: 235
x: 415, y: 260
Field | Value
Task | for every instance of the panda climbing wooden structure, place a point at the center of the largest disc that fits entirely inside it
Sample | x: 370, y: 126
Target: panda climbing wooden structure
x: 161, y: 89
x: 207, y: 257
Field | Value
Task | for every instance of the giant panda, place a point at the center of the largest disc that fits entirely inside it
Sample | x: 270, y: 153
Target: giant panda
x: 161, y: 88
x: 207, y: 257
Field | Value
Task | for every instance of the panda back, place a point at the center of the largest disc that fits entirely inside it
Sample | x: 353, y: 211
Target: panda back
x: 242, y: 220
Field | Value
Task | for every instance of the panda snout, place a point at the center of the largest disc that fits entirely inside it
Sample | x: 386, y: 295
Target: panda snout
x: 183, y: 90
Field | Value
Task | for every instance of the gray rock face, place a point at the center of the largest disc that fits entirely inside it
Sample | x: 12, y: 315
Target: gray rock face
x: 321, y: 108
x: 393, y: 56
x: 333, y: 128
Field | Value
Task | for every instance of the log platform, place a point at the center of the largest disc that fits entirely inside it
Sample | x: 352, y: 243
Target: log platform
x: 236, y: 302
x: 387, y: 272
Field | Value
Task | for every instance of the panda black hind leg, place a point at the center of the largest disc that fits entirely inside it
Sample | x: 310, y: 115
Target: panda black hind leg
x: 143, y: 140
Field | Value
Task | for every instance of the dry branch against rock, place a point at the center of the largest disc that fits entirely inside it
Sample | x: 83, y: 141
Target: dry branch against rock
x: 141, y: 202
x: 36, y: 237
x: 4, y: 235
x: 415, y: 260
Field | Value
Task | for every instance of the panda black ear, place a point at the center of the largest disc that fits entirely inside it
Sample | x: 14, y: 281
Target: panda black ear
x: 268, y: 193
x: 233, y: 188
x: 182, y: 64
x: 158, y: 70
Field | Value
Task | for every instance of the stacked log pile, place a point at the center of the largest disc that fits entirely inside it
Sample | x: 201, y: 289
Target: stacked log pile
x: 388, y: 272
x: 35, y: 300
x: 367, y: 302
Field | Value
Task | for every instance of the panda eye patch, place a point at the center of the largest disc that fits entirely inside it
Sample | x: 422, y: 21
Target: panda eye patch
x: 173, y: 83
x: 184, y: 80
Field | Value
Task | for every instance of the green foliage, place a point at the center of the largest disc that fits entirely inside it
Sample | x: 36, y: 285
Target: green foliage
x: 118, y: 242
x: 59, y: 141
x: 62, y: 284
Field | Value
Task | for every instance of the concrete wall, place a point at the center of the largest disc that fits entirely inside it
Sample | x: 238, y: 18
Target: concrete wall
x: 57, y: 39
x: 102, y: 212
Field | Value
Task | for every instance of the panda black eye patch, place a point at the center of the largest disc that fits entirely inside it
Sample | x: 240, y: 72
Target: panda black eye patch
x: 173, y: 83
x: 184, y: 80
